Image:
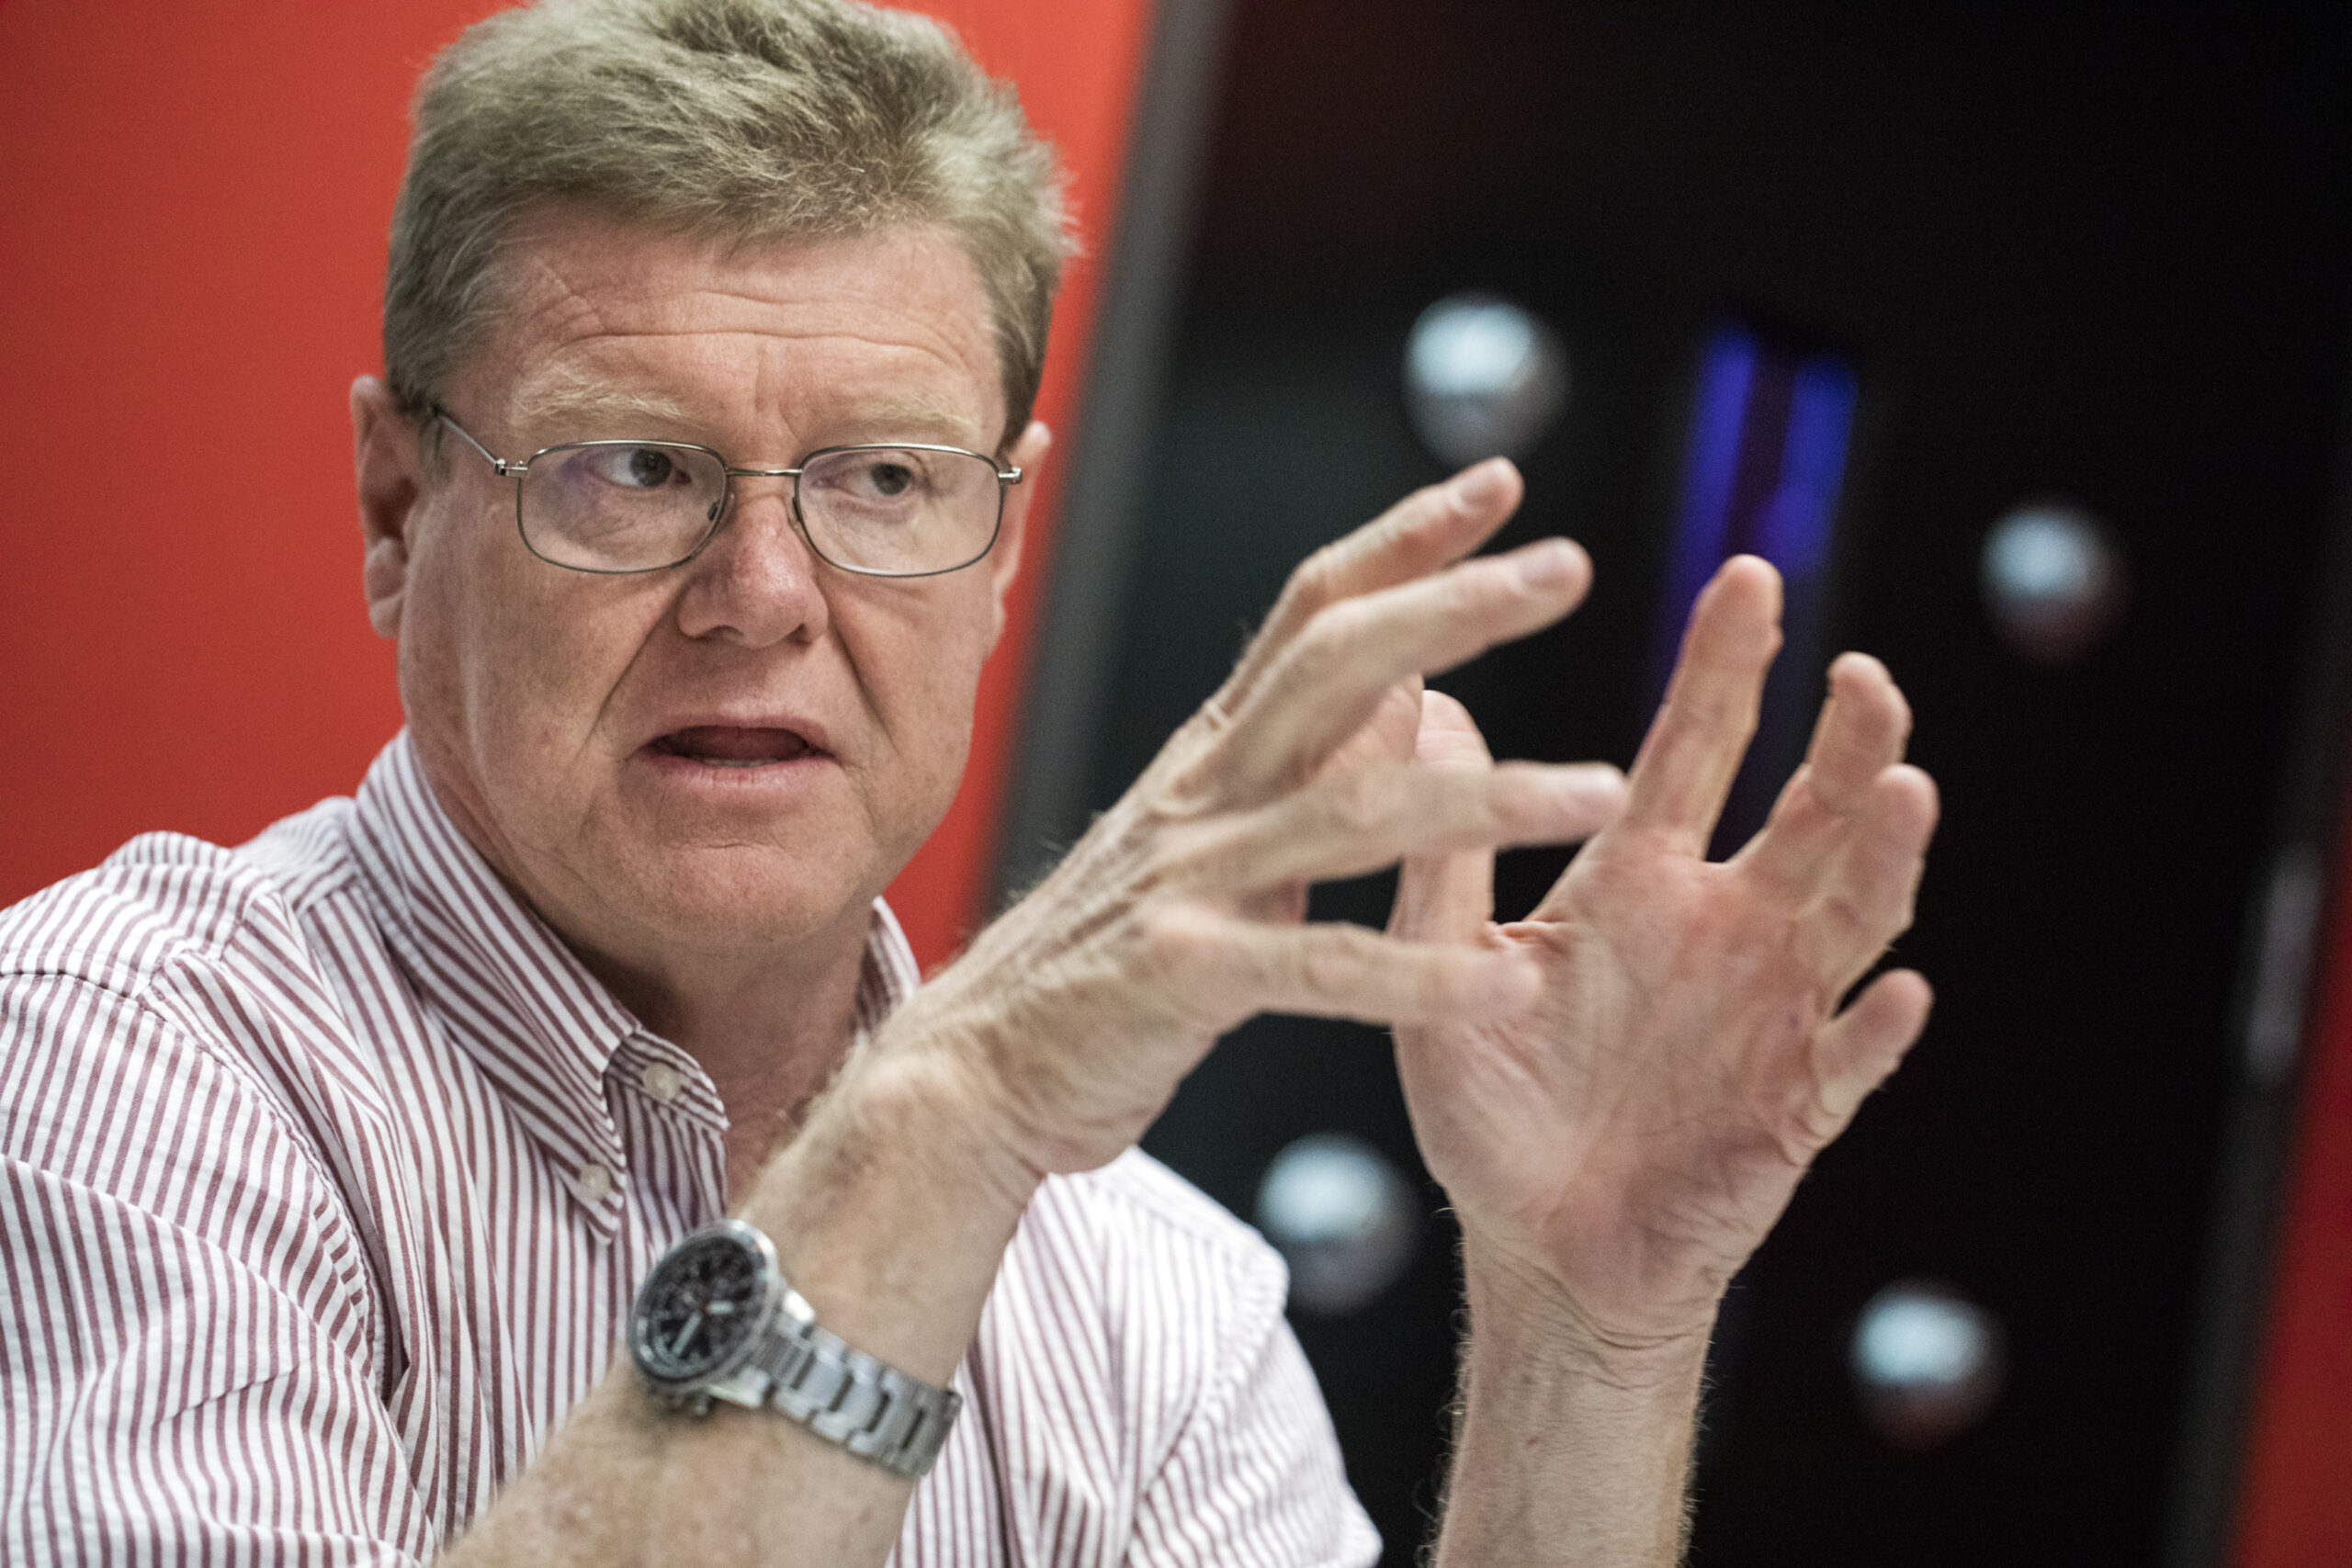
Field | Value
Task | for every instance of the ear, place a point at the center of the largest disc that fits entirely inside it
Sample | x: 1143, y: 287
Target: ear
x: 1028, y: 455
x: 386, y: 457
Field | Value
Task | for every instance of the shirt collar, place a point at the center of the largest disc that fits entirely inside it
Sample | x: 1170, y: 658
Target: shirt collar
x: 520, y: 1003
x: 539, y: 1026
x: 890, y: 974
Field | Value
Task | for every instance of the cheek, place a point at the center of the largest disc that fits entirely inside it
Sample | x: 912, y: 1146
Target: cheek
x: 506, y: 652
x: 922, y: 667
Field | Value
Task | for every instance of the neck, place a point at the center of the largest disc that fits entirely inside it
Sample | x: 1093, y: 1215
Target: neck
x: 769, y: 1022
x: 769, y: 1031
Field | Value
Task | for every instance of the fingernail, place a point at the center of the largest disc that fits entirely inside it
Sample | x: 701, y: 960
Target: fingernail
x: 1547, y: 565
x: 1479, y: 489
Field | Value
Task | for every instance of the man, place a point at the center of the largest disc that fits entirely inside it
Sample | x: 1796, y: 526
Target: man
x: 338, y: 1166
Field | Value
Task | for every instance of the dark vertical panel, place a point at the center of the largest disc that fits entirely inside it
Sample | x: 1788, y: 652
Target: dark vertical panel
x: 2084, y: 252
x: 1064, y: 707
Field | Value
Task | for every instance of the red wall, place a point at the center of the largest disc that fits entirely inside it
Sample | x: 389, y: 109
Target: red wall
x: 193, y: 200
x: 2296, y: 1511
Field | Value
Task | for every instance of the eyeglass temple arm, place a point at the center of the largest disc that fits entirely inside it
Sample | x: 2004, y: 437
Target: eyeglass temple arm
x: 499, y: 465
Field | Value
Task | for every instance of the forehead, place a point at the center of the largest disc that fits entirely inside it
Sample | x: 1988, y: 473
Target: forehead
x: 812, y: 342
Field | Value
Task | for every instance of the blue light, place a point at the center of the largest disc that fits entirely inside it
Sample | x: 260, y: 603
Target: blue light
x: 1793, y: 531
x: 1766, y: 459
x: 1701, y: 534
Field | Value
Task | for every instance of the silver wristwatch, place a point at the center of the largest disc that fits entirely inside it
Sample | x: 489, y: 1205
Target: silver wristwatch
x: 716, y: 1321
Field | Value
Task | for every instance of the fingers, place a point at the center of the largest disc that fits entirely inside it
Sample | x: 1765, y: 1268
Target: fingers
x: 1428, y: 529
x: 1390, y: 735
x: 1867, y: 899
x: 1367, y: 817
x: 1693, y: 750
x: 1225, y: 969
x: 1447, y: 735
x: 1860, y: 733
x: 1447, y: 897
x: 1863, y: 729
x: 1323, y: 687
x: 1857, y: 1050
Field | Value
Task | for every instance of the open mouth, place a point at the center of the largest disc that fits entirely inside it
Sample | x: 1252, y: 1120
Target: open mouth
x: 731, y: 746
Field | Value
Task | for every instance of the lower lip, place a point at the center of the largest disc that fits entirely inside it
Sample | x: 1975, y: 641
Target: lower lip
x: 734, y: 777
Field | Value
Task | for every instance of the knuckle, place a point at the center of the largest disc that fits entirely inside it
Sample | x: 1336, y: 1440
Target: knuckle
x: 1427, y: 510
x: 1328, y: 966
x: 1337, y: 629
x: 1179, y: 853
x: 1188, y: 793
x: 1511, y: 796
x: 1172, y: 943
x: 1853, y: 924
x: 1321, y: 651
x: 1315, y: 581
x: 1905, y: 911
x: 1489, y: 585
x: 1363, y: 801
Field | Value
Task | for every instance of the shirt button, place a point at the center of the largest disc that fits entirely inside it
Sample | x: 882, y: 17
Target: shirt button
x: 663, y: 1082
x: 595, y: 1182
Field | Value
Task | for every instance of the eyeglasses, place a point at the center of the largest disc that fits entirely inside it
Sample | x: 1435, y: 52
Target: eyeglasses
x: 901, y: 510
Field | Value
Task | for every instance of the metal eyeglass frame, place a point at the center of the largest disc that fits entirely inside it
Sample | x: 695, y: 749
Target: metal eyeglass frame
x: 1005, y: 477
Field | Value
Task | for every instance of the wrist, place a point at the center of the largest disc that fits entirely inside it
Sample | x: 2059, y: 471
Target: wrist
x: 1575, y: 1440
x: 1523, y: 1317
x: 1011, y: 1080
x: 914, y: 1090
x: 891, y: 1211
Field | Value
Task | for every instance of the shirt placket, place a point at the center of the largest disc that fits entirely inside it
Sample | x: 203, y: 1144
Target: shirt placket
x: 661, y: 1097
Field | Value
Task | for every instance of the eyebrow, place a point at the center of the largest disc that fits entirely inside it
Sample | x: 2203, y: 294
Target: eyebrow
x: 919, y: 418
x: 555, y: 404
x: 546, y: 410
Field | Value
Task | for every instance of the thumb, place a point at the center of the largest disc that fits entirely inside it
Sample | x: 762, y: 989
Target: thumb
x: 1446, y: 897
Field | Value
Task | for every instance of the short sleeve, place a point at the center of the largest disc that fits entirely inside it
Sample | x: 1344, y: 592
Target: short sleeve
x: 185, y: 1373
x: 1257, y: 1480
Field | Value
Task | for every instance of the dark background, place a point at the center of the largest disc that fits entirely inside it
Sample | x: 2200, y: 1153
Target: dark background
x: 2095, y: 254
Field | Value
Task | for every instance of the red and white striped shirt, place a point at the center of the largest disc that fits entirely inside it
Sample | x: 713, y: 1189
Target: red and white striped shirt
x: 328, y: 1174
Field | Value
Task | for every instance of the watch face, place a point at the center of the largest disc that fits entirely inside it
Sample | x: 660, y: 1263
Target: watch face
x: 697, y: 1312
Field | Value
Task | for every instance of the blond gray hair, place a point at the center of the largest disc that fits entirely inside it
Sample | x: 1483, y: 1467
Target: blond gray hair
x: 746, y: 121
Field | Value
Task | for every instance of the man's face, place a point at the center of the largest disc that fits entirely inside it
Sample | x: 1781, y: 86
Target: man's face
x: 739, y: 752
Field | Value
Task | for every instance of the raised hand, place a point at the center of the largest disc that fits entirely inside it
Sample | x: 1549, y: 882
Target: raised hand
x: 1072, y: 1018
x: 1620, y: 1147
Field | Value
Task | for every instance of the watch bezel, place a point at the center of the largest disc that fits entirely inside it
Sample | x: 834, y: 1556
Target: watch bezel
x: 723, y: 1369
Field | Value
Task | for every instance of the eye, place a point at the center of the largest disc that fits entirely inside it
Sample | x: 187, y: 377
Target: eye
x: 637, y: 467
x: 872, y: 476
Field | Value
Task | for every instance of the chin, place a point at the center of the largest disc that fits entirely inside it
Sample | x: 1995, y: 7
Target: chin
x: 743, y: 897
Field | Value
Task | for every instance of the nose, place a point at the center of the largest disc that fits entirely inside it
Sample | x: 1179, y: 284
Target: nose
x: 755, y: 583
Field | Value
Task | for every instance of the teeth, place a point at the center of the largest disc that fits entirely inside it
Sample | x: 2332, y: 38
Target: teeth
x: 726, y: 748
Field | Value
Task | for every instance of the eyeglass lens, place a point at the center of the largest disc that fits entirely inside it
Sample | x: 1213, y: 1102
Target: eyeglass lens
x: 628, y: 506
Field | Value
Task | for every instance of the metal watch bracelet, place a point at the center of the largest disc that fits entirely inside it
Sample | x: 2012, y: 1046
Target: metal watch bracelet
x: 848, y: 1397
x: 716, y: 1320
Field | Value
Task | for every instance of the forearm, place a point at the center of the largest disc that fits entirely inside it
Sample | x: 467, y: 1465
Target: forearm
x: 892, y: 1225
x: 1569, y: 1451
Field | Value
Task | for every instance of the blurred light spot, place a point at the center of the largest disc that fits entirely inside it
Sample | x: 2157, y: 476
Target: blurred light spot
x: 1927, y: 1363
x: 1482, y: 378
x: 2053, y: 581
x: 1343, y: 1218
x: 2273, y: 1031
